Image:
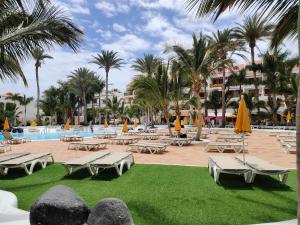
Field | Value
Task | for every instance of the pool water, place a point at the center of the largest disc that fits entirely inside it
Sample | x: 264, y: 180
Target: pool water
x: 49, y: 136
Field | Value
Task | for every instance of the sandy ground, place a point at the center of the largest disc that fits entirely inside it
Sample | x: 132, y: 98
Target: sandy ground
x: 260, y: 144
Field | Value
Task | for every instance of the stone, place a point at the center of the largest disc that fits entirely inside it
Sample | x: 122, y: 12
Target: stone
x: 110, y: 211
x: 60, y: 205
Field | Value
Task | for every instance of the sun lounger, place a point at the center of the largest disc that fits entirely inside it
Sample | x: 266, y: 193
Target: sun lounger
x: 193, y: 135
x: 70, y: 138
x: 83, y: 162
x: 150, y: 130
x: 9, y: 139
x: 223, y: 146
x: 229, y: 138
x: 105, y: 135
x: 149, y: 136
x: 286, y: 135
x: 12, y: 156
x: 24, y: 161
x: 260, y: 166
x: 284, y: 142
x: 88, y: 146
x: 178, y: 141
x: 153, y: 148
x: 290, y: 148
x: 228, y: 165
x: 124, y: 140
x: 4, y: 148
x: 115, y: 160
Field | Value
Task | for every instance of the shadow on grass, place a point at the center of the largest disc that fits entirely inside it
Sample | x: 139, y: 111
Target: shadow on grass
x: 15, y: 173
x: 107, y: 174
x: 150, y: 214
x: 78, y: 175
x: 266, y: 183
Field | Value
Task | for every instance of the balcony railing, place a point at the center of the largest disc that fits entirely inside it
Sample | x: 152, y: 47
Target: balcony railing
x: 215, y: 85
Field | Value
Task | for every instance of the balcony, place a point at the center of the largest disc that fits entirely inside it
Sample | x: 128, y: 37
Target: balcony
x: 215, y: 85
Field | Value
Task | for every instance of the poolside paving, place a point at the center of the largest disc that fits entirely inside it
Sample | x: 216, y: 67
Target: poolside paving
x: 260, y: 144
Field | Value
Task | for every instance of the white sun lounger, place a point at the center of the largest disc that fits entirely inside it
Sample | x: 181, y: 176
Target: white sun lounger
x: 4, y: 148
x: 290, y: 148
x: 223, y: 146
x: 149, y: 136
x: 178, y: 141
x: 260, y: 166
x: 83, y: 162
x: 229, y: 138
x: 105, y: 135
x: 124, y: 140
x: 12, y: 156
x: 70, y: 138
x: 153, y: 148
x: 115, y: 160
x: 228, y: 165
x: 88, y: 146
x: 24, y: 161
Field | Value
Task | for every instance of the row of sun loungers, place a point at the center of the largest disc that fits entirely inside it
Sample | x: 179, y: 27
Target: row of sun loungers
x: 9, y: 139
x: 287, y: 141
x: 178, y: 141
x: 71, y: 138
x: 26, y: 161
x: 229, y: 138
x: 4, y: 148
x: 252, y: 167
x: 99, y: 161
x: 124, y: 140
x: 88, y: 146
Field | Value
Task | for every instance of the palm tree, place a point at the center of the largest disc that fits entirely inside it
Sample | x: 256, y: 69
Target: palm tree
x: 146, y: 65
x: 195, y: 63
x: 31, y: 24
x: 24, y: 101
x: 155, y: 90
x: 50, y: 103
x: 98, y: 88
x: 15, y: 97
x: 39, y: 56
x: 253, y: 29
x: 81, y: 83
x: 214, y: 101
x: 113, y: 106
x: 107, y: 60
x: 225, y: 45
x: 238, y: 78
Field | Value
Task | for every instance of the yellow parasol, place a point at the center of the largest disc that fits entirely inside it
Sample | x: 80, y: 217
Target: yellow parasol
x: 288, y: 117
x: 185, y: 121
x: 177, y: 124
x: 196, y: 122
x: 67, y: 126
x: 242, y: 124
x: 202, y: 121
x: 135, y: 123
x: 125, y: 127
x: 33, y: 123
x: 105, y: 123
x: 6, y: 124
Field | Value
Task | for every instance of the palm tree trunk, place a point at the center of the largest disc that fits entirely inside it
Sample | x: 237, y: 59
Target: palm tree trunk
x: 84, y: 107
x: 298, y: 125
x: 205, y: 97
x: 167, y: 115
x: 223, y: 99
x: 99, y: 108
x: 255, y: 80
x: 275, y: 106
x: 38, y: 93
x: 25, y: 114
x: 106, y: 85
x: 199, y: 114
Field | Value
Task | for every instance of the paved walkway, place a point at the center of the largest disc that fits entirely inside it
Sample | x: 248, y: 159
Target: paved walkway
x: 289, y: 222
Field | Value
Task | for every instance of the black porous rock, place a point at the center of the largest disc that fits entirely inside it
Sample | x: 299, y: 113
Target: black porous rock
x: 60, y: 205
x: 110, y: 211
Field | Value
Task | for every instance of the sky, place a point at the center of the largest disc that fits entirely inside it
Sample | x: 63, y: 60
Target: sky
x: 130, y: 27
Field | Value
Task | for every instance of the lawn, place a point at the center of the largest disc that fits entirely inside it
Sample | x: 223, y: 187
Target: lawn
x: 168, y: 195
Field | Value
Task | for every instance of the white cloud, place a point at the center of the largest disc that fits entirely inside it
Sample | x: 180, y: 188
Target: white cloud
x: 74, y: 6
x: 160, y: 4
x: 119, y: 28
x: 111, y: 9
x: 127, y: 45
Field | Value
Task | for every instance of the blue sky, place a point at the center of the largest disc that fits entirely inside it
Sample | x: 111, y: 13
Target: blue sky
x: 131, y: 27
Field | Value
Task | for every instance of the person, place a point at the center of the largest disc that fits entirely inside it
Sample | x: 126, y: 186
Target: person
x: 91, y: 126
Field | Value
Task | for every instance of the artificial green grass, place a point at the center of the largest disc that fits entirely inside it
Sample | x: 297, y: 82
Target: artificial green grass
x: 168, y: 195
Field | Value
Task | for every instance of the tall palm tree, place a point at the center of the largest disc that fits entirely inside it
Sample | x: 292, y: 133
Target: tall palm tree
x: 39, y: 56
x: 253, y: 29
x: 15, y: 97
x: 30, y: 24
x: 107, y: 60
x: 238, y: 78
x: 24, y: 101
x: 155, y: 89
x: 196, y: 61
x: 225, y: 45
x: 113, y: 106
x: 81, y: 83
x: 146, y: 65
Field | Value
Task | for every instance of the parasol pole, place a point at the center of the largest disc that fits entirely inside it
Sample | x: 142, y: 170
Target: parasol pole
x: 243, y: 137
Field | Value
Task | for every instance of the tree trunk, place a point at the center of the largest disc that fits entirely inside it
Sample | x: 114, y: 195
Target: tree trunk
x: 93, y: 109
x: 205, y: 98
x: 25, y: 114
x: 255, y: 80
x: 275, y: 106
x: 223, y: 99
x: 199, y: 114
x: 298, y: 125
x: 99, y: 108
x: 106, y: 89
x: 84, y: 108
x: 167, y: 115
x: 38, y: 93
